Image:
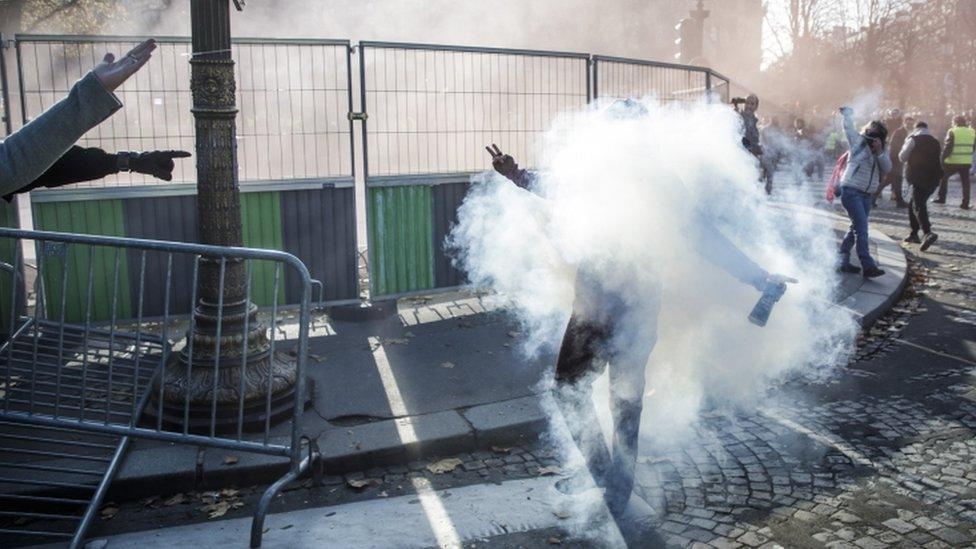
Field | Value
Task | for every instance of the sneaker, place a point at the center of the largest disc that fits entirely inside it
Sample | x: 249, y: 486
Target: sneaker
x: 939, y: 201
x: 964, y: 206
x: 575, y: 483
x: 930, y: 239
x: 848, y: 268
x: 911, y: 239
x: 872, y: 273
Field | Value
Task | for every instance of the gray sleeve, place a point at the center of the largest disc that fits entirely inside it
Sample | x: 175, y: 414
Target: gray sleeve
x: 884, y: 161
x: 853, y: 138
x: 711, y: 244
x: 31, y: 150
x: 906, y: 150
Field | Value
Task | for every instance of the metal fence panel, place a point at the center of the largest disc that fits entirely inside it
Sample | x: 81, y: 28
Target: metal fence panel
x: 141, y: 377
x: 293, y: 98
x: 431, y: 111
x: 618, y: 77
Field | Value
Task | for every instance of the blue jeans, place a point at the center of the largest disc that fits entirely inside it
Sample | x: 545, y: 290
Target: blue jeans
x: 858, y: 206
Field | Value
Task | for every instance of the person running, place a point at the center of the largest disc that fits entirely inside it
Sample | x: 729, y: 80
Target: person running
x: 958, y: 159
x: 921, y: 155
x: 903, y: 127
x: 607, y: 327
x: 866, y: 167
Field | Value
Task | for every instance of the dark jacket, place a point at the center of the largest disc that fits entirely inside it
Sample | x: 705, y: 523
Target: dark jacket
x: 77, y: 165
x: 898, y: 138
x: 922, y: 155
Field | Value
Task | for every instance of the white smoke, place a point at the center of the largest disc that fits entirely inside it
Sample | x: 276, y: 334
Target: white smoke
x: 622, y: 197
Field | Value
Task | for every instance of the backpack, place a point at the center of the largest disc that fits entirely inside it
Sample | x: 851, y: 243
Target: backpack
x: 835, y: 176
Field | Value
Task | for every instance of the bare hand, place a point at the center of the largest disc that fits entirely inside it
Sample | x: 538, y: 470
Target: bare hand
x: 846, y: 111
x: 112, y: 73
x: 158, y: 164
x: 503, y: 163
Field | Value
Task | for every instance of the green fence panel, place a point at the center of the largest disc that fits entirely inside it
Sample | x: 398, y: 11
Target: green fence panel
x: 8, y: 218
x: 401, y: 239
x: 261, y: 217
x: 101, y: 217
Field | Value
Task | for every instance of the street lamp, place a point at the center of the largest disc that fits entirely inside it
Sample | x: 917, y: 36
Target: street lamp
x: 204, y: 379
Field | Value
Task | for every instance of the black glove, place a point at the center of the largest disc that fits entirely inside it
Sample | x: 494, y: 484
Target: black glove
x: 503, y: 163
x: 158, y: 164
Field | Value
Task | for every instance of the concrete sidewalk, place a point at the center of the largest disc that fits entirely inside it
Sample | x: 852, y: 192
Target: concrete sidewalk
x: 443, y: 376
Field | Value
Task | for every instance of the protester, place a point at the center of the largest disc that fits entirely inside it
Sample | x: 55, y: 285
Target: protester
x: 750, y: 124
x: 957, y: 155
x: 771, y: 139
x: 894, y: 178
x: 27, y: 153
x: 591, y: 341
x: 866, y: 166
x: 922, y: 156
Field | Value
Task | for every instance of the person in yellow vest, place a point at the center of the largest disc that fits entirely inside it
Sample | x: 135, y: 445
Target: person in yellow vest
x: 957, y: 156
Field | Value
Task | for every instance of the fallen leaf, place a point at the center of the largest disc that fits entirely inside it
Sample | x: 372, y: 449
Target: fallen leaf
x: 500, y: 450
x: 513, y: 334
x: 447, y: 364
x: 443, y: 466
x: 287, y: 526
x: 561, y: 514
x: 360, y: 483
x: 555, y: 541
x: 409, y: 334
x: 216, y: 510
x: 175, y: 500
x: 544, y: 471
x: 229, y: 493
x: 230, y: 460
x: 109, y: 512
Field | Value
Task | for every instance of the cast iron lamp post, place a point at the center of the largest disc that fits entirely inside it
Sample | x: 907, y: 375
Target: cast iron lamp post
x: 226, y: 341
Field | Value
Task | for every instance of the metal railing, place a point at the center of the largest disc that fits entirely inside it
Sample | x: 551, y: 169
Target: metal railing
x: 293, y: 97
x: 141, y: 377
x: 4, y: 89
x: 619, y: 77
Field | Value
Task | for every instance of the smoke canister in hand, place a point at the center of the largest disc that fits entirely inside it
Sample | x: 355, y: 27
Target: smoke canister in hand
x: 771, y: 293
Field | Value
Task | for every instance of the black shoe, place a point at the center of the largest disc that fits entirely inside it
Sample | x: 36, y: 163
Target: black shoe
x: 902, y: 204
x: 939, y: 201
x: 930, y: 239
x: 964, y: 206
x: 872, y: 273
x: 848, y: 269
x: 911, y: 239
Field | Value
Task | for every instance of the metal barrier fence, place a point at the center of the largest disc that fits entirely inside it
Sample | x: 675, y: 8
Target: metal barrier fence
x: 292, y: 96
x: 620, y: 78
x: 295, y: 152
x: 129, y: 378
x: 431, y: 111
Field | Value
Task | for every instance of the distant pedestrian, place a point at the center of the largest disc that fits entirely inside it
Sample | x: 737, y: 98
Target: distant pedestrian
x: 922, y: 156
x: 894, y: 178
x: 957, y: 155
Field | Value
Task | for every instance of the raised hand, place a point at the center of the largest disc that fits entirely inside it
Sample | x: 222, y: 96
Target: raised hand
x: 113, y: 73
x: 503, y: 163
x: 158, y: 164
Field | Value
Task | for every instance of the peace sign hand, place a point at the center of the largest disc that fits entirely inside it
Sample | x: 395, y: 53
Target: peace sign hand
x: 503, y: 163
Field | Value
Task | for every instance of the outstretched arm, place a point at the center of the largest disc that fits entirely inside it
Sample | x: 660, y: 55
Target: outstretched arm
x: 87, y: 164
x: 711, y: 244
x: 506, y: 165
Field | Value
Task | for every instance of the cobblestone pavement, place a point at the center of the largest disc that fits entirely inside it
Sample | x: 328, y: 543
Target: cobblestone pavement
x: 881, y: 454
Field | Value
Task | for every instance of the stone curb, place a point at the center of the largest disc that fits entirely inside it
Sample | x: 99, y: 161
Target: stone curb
x: 381, y: 443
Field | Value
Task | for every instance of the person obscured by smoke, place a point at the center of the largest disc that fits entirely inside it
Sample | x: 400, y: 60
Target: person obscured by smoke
x: 922, y: 156
x: 866, y: 167
x: 750, y: 124
x: 616, y: 324
x: 807, y: 147
x: 775, y: 149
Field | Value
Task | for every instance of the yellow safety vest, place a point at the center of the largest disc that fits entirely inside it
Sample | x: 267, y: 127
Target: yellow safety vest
x: 831, y: 140
x: 963, y: 139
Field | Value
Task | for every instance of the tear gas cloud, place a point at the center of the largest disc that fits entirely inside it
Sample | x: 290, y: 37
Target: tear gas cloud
x: 621, y: 197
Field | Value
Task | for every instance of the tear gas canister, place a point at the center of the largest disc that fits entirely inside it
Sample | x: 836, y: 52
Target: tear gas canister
x: 773, y: 290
